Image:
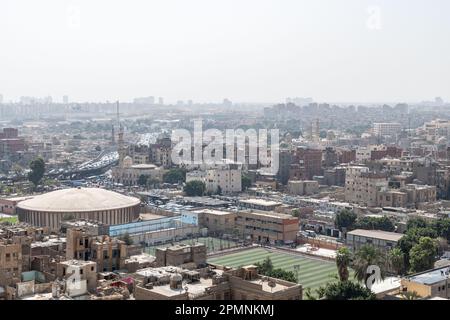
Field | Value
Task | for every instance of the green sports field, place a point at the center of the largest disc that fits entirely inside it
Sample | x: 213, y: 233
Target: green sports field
x: 12, y: 220
x: 312, y: 273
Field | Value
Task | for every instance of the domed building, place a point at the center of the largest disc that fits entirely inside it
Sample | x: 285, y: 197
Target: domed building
x: 128, y: 174
x: 78, y: 203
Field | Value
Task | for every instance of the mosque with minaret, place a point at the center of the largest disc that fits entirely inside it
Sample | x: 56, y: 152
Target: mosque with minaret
x: 128, y: 174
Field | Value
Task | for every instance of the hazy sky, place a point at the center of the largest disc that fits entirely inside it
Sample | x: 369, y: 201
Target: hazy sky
x: 245, y: 50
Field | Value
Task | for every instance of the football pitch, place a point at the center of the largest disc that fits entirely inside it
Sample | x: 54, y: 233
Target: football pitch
x: 312, y: 272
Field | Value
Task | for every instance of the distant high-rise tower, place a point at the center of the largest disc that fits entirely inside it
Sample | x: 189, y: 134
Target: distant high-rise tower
x: 227, y: 103
x: 161, y: 100
x: 1, y: 98
x: 65, y: 99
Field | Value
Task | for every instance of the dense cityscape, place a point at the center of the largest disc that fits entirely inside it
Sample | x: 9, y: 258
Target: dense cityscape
x: 93, y: 207
x: 200, y: 159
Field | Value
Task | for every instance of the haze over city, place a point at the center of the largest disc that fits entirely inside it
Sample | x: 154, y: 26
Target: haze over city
x: 248, y: 51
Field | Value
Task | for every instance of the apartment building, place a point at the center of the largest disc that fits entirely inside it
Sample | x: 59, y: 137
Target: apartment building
x: 386, y: 128
x: 188, y: 256
x: 108, y: 253
x: 10, y: 262
x: 81, y: 276
x: 172, y: 283
x: 223, y: 181
x: 408, y: 196
x: 259, y: 204
x: 362, y: 185
x: 429, y: 284
x: 303, y: 187
x: 217, y: 221
x: 267, y: 227
x: 381, y: 240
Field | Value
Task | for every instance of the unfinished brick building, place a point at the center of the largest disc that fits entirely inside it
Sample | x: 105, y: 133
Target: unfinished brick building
x: 189, y: 256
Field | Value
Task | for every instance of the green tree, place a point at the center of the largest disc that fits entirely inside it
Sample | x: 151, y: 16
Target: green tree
x: 396, y: 259
x: 343, y: 260
x: 367, y: 256
x: 194, y: 188
x: 265, y: 266
x: 372, y: 223
x: 142, y: 181
x: 412, y: 237
x: 176, y: 175
x: 127, y: 239
x: 345, y: 219
x: 36, y: 174
x: 442, y: 228
x: 414, y: 223
x: 246, y: 182
x: 152, y: 182
x: 410, y: 295
x: 423, y: 254
x: 346, y: 290
x: 283, y: 275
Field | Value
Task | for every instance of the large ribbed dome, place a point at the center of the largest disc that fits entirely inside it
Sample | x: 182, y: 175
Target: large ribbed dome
x: 78, y: 200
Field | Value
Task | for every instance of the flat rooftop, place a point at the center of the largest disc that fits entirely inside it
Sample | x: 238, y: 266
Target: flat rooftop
x: 386, y: 285
x: 265, y: 285
x: 214, y: 212
x: 148, y: 272
x: 80, y: 263
x: 141, y: 258
x: 144, y: 166
x: 50, y: 242
x: 431, y: 276
x: 377, y: 234
x: 150, y: 216
x: 260, y: 202
x: 194, y: 288
x: 206, y: 201
x: 184, y: 246
x: 270, y: 214
x: 18, y: 198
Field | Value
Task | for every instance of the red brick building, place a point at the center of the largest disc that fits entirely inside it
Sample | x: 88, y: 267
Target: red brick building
x: 306, y: 163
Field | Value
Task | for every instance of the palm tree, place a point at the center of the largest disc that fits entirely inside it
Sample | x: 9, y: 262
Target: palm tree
x: 366, y: 257
x: 410, y: 295
x: 343, y: 260
x: 397, y: 260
